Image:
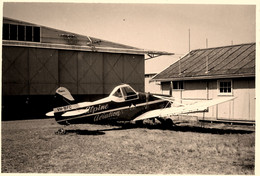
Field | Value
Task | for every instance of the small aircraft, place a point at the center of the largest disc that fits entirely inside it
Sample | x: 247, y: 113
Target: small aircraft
x: 123, y: 104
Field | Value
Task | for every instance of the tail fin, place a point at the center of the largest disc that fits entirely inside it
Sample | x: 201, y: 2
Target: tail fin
x: 63, y: 97
x: 65, y: 93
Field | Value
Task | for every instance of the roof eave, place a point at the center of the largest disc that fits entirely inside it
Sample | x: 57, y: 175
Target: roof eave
x: 82, y: 48
x: 203, y: 77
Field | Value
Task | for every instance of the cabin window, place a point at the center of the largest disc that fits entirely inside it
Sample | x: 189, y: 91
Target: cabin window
x: 177, y: 85
x: 129, y: 93
x: 118, y: 93
x: 21, y: 33
x: 225, y: 87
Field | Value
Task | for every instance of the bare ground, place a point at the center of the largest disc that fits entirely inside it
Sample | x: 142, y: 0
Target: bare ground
x: 31, y: 146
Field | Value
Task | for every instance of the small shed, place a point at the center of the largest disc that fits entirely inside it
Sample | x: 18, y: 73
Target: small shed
x: 36, y: 60
x: 213, y: 72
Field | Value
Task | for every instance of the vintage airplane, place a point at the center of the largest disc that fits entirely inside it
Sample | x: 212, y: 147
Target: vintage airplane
x: 123, y: 104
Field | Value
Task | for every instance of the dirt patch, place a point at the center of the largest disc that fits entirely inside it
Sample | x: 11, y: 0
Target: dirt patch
x: 31, y: 146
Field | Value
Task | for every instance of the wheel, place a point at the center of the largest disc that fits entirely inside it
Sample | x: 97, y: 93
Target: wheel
x: 61, y: 132
x: 168, y: 123
x: 139, y: 123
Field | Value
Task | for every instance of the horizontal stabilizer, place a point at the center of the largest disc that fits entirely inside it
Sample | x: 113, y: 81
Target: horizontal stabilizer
x: 50, y: 114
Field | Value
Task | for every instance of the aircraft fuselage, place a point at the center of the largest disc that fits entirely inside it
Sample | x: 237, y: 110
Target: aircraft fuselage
x: 109, y: 110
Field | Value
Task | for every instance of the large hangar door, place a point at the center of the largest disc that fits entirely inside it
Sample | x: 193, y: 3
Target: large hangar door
x: 123, y: 68
x: 29, y: 71
x: 43, y: 74
x: 90, y: 73
x: 68, y: 70
x: 134, y: 71
x: 113, y: 71
x: 15, y: 71
x: 29, y: 74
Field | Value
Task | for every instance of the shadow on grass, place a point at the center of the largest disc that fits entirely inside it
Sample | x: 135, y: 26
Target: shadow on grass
x: 197, y: 129
x: 93, y: 132
x: 84, y: 132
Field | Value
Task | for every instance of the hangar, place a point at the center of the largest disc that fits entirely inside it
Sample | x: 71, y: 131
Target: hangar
x: 212, y: 72
x: 36, y: 60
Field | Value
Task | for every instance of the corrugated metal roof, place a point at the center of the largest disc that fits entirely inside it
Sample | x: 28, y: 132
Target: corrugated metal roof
x: 220, y: 62
x: 54, y: 38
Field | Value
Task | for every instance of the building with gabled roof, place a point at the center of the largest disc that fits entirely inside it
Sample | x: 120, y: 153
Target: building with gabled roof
x: 36, y: 60
x: 213, y: 72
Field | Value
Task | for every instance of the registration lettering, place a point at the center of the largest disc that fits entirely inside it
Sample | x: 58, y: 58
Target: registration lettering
x: 65, y: 108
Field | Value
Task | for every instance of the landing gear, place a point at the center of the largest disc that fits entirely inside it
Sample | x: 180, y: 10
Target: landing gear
x: 166, y: 123
x: 139, y: 123
x: 61, y: 131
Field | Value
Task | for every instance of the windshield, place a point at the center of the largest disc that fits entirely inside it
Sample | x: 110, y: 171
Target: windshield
x: 129, y: 93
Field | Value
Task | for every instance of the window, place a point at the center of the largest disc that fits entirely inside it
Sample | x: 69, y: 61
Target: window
x: 6, y: 29
x: 225, y: 87
x: 28, y: 33
x: 13, y: 32
x: 177, y: 85
x: 36, y: 34
x: 21, y: 33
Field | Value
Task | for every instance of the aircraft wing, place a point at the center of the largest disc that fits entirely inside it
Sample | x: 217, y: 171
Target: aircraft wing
x: 184, y: 109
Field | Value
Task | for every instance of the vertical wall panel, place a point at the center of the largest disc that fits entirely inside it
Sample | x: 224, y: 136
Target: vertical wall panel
x: 113, y: 71
x: 15, y: 71
x: 68, y: 70
x: 195, y: 90
x: 252, y: 99
x: 90, y: 73
x: 43, y: 73
x: 244, y: 103
x: 134, y: 71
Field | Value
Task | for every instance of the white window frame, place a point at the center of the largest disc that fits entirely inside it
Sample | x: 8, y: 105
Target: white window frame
x: 225, y: 93
x: 178, y: 85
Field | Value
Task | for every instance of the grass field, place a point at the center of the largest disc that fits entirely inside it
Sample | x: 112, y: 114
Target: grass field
x: 31, y: 146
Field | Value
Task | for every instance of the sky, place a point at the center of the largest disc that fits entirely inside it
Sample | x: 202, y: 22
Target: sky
x: 170, y: 27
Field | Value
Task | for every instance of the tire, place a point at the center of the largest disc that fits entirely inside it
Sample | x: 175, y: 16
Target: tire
x: 168, y: 123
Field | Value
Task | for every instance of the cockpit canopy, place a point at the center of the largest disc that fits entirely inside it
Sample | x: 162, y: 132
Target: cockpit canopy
x: 124, y: 92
